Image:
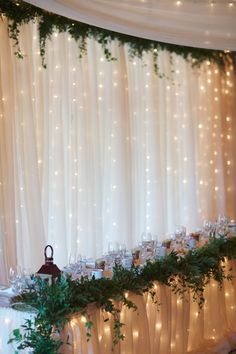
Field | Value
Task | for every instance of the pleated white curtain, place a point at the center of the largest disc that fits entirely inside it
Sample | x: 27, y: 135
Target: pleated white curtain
x: 93, y: 152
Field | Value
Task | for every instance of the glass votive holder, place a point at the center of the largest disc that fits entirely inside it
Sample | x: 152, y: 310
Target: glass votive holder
x: 160, y: 252
x: 191, y: 243
x: 127, y: 262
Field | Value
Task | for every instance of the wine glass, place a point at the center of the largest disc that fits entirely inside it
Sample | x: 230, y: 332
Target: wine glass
x: 146, y: 236
x: 122, y: 249
x: 113, y: 248
x: 222, y: 219
x: 12, y: 276
x: 15, y: 279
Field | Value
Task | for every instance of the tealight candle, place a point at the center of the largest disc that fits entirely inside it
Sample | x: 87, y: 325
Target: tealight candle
x: 97, y: 273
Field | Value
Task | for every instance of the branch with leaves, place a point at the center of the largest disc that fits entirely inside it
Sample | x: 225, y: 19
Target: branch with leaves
x: 19, y: 12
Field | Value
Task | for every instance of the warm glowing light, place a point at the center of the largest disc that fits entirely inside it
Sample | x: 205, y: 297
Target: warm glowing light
x: 107, y: 329
x: 7, y: 320
x: 83, y: 319
x: 73, y: 322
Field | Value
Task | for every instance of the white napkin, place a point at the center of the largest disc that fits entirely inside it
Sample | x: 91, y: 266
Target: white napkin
x: 5, y: 297
x: 8, y: 292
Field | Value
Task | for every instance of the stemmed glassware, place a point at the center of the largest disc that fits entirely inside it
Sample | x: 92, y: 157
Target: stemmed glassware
x: 208, y: 228
x: 76, y: 265
x: 12, y: 276
x: 18, y: 278
x: 146, y: 247
x: 180, y: 235
x: 222, y: 225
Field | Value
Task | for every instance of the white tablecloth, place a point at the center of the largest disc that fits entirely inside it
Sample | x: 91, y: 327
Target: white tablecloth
x: 9, y: 320
x: 177, y: 328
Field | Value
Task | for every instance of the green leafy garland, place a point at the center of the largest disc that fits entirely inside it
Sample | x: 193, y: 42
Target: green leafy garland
x: 18, y: 13
x: 57, y: 304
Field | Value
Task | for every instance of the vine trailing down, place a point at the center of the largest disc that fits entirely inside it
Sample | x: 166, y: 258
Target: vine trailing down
x: 18, y: 13
x: 55, y: 305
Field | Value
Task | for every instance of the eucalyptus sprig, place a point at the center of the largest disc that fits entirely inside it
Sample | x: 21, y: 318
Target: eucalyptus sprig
x: 19, y: 12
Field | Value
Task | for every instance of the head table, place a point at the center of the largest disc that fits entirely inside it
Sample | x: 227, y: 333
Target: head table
x: 176, y: 326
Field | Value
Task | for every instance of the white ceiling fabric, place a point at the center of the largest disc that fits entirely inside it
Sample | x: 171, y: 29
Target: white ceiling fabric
x: 204, y: 24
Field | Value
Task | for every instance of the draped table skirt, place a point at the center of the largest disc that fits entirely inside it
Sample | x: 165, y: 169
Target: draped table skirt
x: 175, y: 326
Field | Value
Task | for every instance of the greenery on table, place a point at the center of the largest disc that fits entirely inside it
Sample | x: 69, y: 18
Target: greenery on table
x: 57, y: 304
x: 19, y: 12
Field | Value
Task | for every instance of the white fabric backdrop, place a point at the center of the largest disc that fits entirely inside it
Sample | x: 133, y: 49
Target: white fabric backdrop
x: 204, y: 24
x: 94, y: 152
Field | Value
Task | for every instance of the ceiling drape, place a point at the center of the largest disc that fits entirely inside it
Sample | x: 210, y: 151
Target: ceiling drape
x: 204, y: 24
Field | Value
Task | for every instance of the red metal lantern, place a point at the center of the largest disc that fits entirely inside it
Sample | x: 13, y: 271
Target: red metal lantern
x: 49, y: 271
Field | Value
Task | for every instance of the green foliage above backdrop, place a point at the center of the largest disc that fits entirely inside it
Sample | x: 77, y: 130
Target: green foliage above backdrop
x: 57, y: 304
x: 19, y: 12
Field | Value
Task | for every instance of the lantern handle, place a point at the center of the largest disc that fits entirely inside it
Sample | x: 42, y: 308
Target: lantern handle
x: 50, y: 259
